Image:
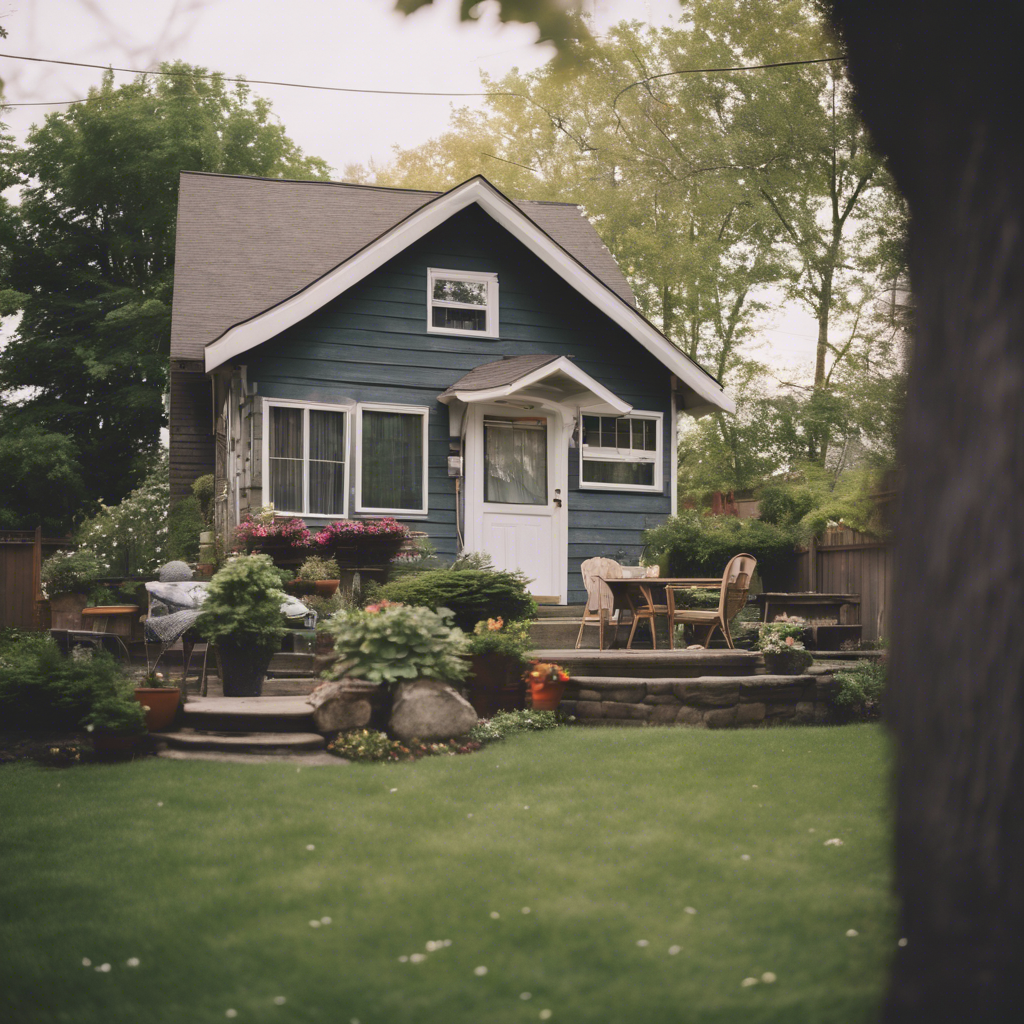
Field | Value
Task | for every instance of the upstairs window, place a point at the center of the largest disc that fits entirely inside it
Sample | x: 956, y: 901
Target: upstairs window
x: 459, y: 302
x: 621, y: 453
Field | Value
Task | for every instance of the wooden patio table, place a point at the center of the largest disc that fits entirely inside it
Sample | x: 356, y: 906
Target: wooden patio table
x: 625, y: 590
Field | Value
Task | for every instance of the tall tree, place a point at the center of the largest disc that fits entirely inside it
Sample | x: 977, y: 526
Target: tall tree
x: 92, y: 250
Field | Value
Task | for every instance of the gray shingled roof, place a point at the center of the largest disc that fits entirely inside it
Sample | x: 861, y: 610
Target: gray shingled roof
x: 499, y: 373
x: 246, y: 244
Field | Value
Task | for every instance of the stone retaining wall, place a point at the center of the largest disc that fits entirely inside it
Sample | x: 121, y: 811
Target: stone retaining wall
x: 704, y: 703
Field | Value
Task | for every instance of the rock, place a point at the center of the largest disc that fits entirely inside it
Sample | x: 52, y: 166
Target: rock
x: 750, y: 714
x: 804, y: 712
x: 429, y: 710
x: 690, y: 716
x: 709, y: 693
x: 628, y: 694
x: 345, y: 704
x: 664, y: 714
x: 721, y: 718
x: 656, y: 688
x: 589, y: 695
x: 640, y: 712
x: 666, y: 698
x: 589, y: 709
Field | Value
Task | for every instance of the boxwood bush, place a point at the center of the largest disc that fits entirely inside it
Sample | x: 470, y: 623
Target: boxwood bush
x: 472, y: 594
x: 692, y: 544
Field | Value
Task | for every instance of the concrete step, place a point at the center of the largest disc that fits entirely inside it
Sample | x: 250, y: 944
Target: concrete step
x: 244, y: 742
x: 560, y: 611
x: 848, y: 655
x: 287, y: 664
x: 660, y: 664
x: 284, y: 686
x: 561, y: 633
x: 249, y: 714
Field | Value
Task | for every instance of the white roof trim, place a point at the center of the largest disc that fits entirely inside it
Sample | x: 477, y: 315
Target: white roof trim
x: 258, y: 329
x: 594, y: 396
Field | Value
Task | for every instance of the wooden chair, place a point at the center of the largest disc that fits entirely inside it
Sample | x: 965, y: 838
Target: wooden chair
x: 735, y: 585
x: 600, y: 602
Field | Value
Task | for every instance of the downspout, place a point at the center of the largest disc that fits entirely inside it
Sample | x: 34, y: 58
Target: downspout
x: 674, y: 441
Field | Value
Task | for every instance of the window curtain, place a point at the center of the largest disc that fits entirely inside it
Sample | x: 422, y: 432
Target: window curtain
x: 392, y: 460
x: 326, y: 462
x: 515, y: 464
x: 285, y: 458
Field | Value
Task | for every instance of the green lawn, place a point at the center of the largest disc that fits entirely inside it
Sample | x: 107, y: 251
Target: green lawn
x: 202, y: 872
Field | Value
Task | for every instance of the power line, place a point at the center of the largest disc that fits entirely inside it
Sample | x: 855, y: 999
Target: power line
x: 374, y: 92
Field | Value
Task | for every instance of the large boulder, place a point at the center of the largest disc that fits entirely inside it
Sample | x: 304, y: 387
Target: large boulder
x: 430, y: 711
x: 345, y: 704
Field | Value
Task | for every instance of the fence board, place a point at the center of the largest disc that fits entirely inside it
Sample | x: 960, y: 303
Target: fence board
x: 21, y: 554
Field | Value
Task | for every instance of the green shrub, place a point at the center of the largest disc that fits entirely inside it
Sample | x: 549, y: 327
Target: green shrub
x: 692, y: 544
x: 860, y: 691
x: 784, y: 506
x: 473, y: 560
x: 471, y: 595
x: 389, y: 643
x: 324, y: 607
x: 203, y: 491
x: 185, y: 522
x: 70, y: 572
x: 116, y: 712
x: 317, y: 568
x: 508, y: 723
x: 495, y: 636
x: 243, y: 603
x: 40, y: 688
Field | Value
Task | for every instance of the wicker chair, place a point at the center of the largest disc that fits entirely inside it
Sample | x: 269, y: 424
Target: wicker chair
x: 599, y: 607
x: 735, y: 585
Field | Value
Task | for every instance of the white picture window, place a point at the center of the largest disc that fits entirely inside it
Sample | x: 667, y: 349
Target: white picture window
x: 305, y: 464
x: 391, y: 454
x: 459, y: 302
x: 621, y: 453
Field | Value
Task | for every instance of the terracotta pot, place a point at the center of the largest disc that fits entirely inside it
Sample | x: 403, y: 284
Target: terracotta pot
x: 325, y: 588
x: 66, y: 611
x: 162, y: 702
x: 496, y: 684
x: 546, y: 696
x: 205, y: 569
x: 243, y: 667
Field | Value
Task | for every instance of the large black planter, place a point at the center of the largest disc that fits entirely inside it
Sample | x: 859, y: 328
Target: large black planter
x: 242, y: 667
x: 495, y: 684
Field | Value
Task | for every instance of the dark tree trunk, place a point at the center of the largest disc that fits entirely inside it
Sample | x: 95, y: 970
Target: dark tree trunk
x: 938, y: 85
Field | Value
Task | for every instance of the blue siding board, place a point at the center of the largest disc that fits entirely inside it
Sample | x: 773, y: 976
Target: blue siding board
x: 371, y: 344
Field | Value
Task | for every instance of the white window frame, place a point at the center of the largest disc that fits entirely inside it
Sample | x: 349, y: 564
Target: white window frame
x: 348, y: 410
x: 417, y: 410
x: 491, y: 309
x: 627, y: 455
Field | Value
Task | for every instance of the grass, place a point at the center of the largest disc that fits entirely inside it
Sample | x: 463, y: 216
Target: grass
x: 214, y: 890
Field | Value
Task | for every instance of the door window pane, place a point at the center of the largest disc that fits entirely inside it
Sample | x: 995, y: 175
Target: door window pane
x: 392, y: 461
x: 515, y: 463
x: 285, y: 458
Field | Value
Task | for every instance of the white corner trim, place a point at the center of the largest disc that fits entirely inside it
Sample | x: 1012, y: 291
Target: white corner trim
x: 260, y: 328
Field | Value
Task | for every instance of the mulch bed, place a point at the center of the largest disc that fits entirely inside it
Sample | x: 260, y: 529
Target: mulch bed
x: 61, y: 750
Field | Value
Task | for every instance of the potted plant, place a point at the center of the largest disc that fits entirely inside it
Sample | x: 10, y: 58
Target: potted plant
x: 284, y: 540
x: 116, y: 721
x: 498, y: 655
x: 242, y: 616
x: 784, y: 654
x: 67, y: 578
x: 547, y: 684
x: 323, y: 573
x: 159, y: 700
x: 362, y: 542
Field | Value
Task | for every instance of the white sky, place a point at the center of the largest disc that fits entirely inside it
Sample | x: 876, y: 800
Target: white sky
x: 354, y: 43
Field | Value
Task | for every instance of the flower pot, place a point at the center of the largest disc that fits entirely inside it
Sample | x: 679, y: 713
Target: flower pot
x: 300, y: 588
x: 66, y: 611
x: 162, y: 702
x: 281, y: 550
x: 546, y: 696
x: 205, y: 569
x: 496, y: 684
x: 242, y: 667
x: 325, y: 588
x: 787, y: 663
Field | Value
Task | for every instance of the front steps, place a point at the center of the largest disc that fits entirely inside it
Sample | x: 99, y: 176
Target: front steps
x: 658, y: 664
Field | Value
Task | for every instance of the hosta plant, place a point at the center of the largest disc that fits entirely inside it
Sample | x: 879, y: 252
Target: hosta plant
x: 394, y: 643
x: 780, y: 637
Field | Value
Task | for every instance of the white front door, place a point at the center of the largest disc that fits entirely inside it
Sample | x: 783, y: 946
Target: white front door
x: 515, y: 474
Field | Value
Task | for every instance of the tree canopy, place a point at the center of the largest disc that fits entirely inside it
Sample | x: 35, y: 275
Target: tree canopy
x: 88, y: 261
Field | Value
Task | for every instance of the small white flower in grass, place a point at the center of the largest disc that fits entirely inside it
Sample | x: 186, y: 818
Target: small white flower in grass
x: 852, y: 933
x: 744, y: 856
x: 833, y: 842
x: 279, y: 1000
x: 403, y: 959
x: 747, y: 982
x: 431, y: 946
x: 103, y: 968
x: 231, y: 1013
x: 642, y: 942
x: 689, y: 910
x: 310, y: 847
x: 469, y: 815
x: 810, y: 830
x: 314, y: 924
x: 544, y: 1015
x: 480, y: 971
x: 495, y: 915
x: 525, y: 910
x: 417, y: 958
x: 525, y: 995
x: 325, y: 920
x: 447, y: 942
x: 394, y: 789
x: 354, y: 1020
x: 902, y: 942
x: 526, y: 807
x: 768, y: 978
x: 159, y: 803
x: 132, y: 961
x: 86, y: 962
x: 755, y: 786
x: 673, y: 950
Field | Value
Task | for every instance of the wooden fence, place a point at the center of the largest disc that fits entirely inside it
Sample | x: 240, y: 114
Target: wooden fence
x: 21, y: 554
x: 844, y: 561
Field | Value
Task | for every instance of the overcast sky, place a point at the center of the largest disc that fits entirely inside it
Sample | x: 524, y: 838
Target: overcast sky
x: 352, y: 43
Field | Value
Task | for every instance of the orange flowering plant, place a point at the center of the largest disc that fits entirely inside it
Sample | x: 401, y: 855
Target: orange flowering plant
x: 496, y: 636
x: 546, y: 672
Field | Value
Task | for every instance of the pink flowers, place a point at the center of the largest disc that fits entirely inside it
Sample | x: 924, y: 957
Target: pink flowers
x: 344, y: 528
x: 790, y: 641
x: 250, y: 531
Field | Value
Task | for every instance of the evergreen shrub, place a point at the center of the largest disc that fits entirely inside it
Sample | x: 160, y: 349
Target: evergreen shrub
x: 243, y: 603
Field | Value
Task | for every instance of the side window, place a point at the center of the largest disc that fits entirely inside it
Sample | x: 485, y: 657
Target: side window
x: 460, y: 302
x: 622, y: 453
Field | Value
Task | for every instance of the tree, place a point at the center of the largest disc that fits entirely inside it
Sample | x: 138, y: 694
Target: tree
x: 91, y: 255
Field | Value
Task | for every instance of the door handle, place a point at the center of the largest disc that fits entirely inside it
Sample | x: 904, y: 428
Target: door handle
x: 557, y: 502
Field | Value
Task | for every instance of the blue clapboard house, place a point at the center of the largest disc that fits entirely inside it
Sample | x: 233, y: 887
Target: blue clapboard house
x: 474, y: 366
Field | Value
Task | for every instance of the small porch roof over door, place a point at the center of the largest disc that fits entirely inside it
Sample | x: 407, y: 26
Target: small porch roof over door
x: 543, y: 378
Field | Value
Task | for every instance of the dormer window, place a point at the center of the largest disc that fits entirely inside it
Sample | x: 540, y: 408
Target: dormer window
x: 460, y: 302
